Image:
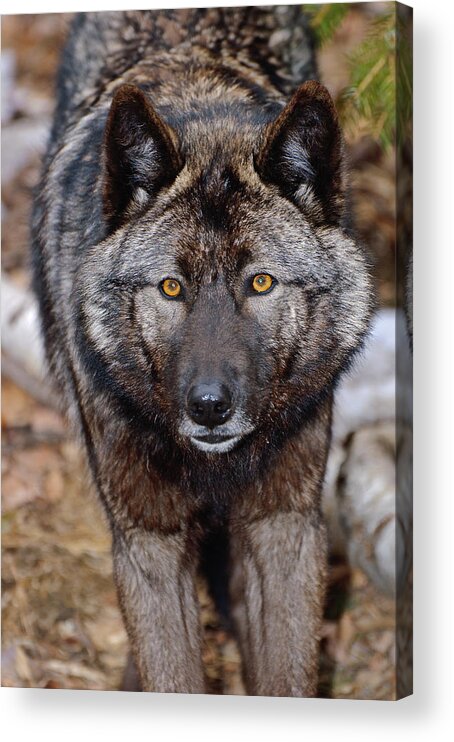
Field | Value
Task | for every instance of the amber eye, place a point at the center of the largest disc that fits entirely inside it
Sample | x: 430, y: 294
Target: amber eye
x: 171, y: 288
x: 262, y: 282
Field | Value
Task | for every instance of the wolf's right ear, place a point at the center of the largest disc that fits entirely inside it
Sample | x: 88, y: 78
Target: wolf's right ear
x: 140, y: 153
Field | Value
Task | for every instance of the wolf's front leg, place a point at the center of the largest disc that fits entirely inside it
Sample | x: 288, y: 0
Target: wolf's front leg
x: 156, y: 589
x: 277, y: 587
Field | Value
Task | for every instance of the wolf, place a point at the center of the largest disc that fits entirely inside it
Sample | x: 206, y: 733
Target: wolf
x: 201, y: 293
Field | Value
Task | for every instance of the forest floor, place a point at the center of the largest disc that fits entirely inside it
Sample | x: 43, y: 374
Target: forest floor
x: 61, y: 623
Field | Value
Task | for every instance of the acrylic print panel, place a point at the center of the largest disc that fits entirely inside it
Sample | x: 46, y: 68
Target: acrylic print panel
x: 207, y: 408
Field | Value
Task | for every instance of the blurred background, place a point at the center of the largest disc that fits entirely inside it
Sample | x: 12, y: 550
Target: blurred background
x: 61, y: 624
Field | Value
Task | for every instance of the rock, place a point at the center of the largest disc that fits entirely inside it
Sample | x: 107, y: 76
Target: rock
x: 8, y: 73
x: 368, y: 521
x: 20, y: 141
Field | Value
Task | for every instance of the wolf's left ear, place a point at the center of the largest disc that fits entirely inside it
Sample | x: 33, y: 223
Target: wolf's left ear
x: 140, y: 153
x: 302, y: 153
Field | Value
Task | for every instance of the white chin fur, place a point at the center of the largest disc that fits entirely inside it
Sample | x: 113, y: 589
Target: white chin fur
x: 221, y: 447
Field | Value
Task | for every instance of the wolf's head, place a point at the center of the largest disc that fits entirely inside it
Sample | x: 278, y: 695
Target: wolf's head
x: 227, y: 296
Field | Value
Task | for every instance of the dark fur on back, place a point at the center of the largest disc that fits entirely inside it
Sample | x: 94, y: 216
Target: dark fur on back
x: 187, y: 145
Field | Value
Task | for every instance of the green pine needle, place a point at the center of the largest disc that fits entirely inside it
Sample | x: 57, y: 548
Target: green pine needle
x: 368, y: 103
x: 325, y: 19
x: 371, y: 95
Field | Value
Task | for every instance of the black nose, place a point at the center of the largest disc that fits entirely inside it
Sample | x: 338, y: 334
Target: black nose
x: 209, y: 404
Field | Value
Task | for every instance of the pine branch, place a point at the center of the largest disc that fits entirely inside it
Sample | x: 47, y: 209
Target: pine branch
x: 325, y: 19
x: 372, y: 99
x: 369, y: 101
